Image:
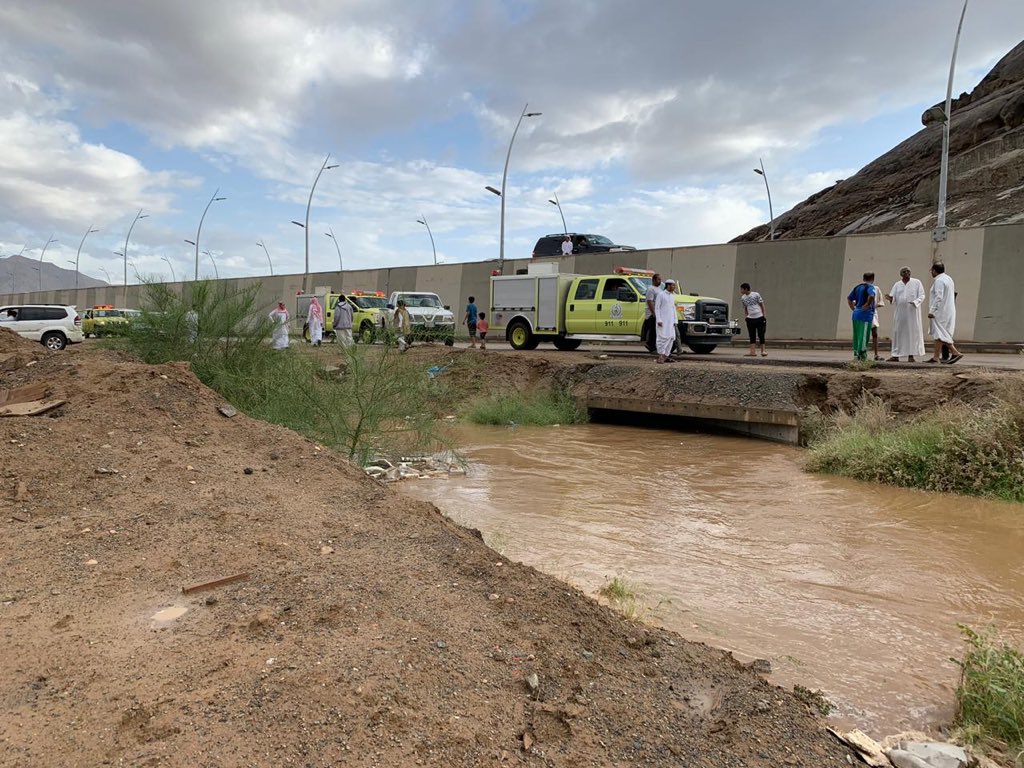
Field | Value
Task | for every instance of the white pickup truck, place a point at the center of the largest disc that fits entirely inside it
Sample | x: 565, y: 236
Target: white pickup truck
x: 431, y: 319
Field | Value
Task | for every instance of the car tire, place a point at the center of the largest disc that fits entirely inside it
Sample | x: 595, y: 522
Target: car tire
x: 54, y: 340
x: 702, y: 349
x: 367, y: 334
x: 567, y: 345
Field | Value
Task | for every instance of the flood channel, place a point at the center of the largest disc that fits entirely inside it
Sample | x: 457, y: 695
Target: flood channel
x: 847, y: 587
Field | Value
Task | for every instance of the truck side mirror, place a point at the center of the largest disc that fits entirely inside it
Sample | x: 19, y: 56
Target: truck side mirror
x: 391, y: 306
x: 448, y: 307
x: 626, y: 295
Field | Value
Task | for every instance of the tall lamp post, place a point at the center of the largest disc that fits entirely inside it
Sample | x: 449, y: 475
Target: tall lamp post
x: 216, y: 272
x: 939, y: 234
x: 199, y: 230
x: 78, y: 253
x: 174, y: 279
x: 504, y: 180
x: 48, y: 242
x: 309, y: 203
x: 104, y: 271
x: 565, y: 229
x: 262, y: 245
x: 139, y: 215
x: 341, y: 273
x: 771, y: 214
x: 423, y: 221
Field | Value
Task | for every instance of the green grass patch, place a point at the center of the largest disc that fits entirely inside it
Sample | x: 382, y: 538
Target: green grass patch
x: 990, y: 696
x: 531, y: 408
x: 376, y: 403
x: 955, y: 448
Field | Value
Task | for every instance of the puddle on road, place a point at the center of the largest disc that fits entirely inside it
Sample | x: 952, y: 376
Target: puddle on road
x: 166, y: 617
x: 849, y: 587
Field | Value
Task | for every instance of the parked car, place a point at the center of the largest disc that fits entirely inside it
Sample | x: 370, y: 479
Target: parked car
x: 53, y: 325
x: 551, y: 245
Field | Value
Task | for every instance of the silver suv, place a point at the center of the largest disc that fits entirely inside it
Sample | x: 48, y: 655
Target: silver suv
x: 53, y: 325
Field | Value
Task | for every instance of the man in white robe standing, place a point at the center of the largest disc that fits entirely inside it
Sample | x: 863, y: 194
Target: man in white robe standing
x: 316, y: 322
x: 279, y: 317
x: 906, y: 297
x: 942, y: 313
x: 665, y: 320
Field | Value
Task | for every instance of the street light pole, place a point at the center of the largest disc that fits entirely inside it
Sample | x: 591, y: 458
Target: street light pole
x: 51, y: 240
x: 504, y: 179
x: 139, y: 215
x: 262, y: 245
x: 216, y: 273
x: 341, y: 273
x: 939, y: 234
x: 173, y: 278
x: 104, y: 271
x: 771, y: 223
x: 565, y: 229
x: 309, y: 204
x: 88, y: 232
x: 423, y: 221
x: 199, y: 231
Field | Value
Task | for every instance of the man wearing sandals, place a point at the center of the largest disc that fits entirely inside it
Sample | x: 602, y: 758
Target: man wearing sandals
x: 942, y: 313
x: 906, y: 298
x: 757, y: 321
x: 665, y: 321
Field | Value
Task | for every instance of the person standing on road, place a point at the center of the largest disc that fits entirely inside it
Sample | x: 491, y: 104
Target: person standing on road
x: 482, y: 326
x: 906, y: 297
x: 757, y: 320
x: 343, y: 322
x: 648, y: 331
x: 403, y: 326
x: 316, y: 322
x: 862, y: 301
x: 279, y: 317
x: 567, y: 246
x: 665, y: 320
x: 879, y: 303
x: 470, y: 321
x: 942, y: 313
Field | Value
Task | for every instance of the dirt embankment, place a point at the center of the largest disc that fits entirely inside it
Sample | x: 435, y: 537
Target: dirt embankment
x: 369, y: 630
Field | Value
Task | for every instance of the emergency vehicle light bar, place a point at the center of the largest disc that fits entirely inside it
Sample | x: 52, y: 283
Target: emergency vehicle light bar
x: 103, y: 306
x: 633, y: 271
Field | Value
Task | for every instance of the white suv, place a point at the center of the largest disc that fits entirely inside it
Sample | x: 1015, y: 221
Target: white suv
x: 53, y: 325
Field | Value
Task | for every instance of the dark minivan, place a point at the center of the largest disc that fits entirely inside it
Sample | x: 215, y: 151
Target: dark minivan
x: 551, y: 245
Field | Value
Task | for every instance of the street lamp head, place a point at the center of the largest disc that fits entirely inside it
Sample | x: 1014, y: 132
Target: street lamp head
x: 759, y: 172
x: 534, y: 114
x: 144, y: 216
x: 190, y: 242
x: 329, y: 167
x: 92, y: 230
x: 329, y: 235
x: 495, y: 191
x: 298, y: 224
x: 421, y: 221
x: 553, y: 202
x: 216, y: 199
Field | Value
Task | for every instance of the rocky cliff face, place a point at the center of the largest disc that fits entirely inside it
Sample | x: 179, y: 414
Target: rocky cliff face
x: 899, y: 190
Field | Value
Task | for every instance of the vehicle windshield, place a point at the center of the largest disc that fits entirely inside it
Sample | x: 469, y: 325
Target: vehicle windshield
x: 131, y: 313
x: 422, y: 300
x: 599, y: 240
x: 107, y: 313
x: 369, y: 302
x: 642, y: 284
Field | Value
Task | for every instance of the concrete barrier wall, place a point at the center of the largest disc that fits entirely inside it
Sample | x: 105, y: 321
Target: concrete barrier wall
x: 804, y: 282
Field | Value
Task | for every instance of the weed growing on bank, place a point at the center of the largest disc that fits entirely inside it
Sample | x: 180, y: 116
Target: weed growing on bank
x: 375, y: 403
x: 990, y: 695
x: 622, y: 595
x: 541, y: 409
x: 955, y: 448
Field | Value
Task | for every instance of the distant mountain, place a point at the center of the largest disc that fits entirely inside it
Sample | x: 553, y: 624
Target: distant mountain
x: 19, y: 274
x: 899, y: 190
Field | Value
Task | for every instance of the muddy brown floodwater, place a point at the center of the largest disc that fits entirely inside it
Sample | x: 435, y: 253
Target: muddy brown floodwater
x: 848, y: 587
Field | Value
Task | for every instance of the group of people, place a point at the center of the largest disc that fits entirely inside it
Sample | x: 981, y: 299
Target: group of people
x: 341, y: 322
x: 906, y: 297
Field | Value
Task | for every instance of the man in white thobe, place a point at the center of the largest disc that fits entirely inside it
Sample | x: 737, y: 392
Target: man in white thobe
x: 316, y: 322
x: 648, y: 331
x: 566, y: 246
x: 906, y: 297
x: 279, y: 317
x: 942, y: 313
x: 665, y: 320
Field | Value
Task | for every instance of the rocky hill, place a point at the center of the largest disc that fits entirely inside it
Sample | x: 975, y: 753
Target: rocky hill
x: 20, y: 274
x: 899, y: 190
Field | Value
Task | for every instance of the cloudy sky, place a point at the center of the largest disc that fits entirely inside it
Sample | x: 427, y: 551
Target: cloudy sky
x: 654, y: 114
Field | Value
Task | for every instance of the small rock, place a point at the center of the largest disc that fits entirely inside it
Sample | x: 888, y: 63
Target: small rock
x: 761, y: 666
x: 441, y: 644
x: 902, y: 759
x: 247, y: 470
x: 227, y: 411
x: 527, y: 741
x: 762, y: 705
x: 935, y: 754
x: 588, y: 655
x: 92, y: 562
x: 532, y: 682
x: 275, y: 456
x: 102, y: 471
x: 21, y: 491
x: 493, y: 596
x: 326, y: 550
x: 211, y: 600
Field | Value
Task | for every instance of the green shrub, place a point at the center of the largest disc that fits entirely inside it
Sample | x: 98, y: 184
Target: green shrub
x: 377, y: 402
x: 990, y: 695
x: 537, y: 409
x: 957, y: 448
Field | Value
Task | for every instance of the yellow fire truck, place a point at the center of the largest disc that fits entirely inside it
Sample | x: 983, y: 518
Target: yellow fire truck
x: 368, y: 310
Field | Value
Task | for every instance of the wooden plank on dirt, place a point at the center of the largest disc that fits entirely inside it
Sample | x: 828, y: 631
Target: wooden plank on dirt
x: 214, y: 584
x: 23, y: 394
x: 30, y: 409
